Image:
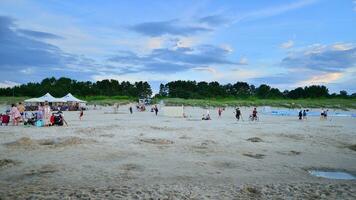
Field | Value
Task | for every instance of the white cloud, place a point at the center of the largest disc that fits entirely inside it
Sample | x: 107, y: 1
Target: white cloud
x: 27, y: 71
x: 206, y: 69
x: 321, y: 79
x: 276, y: 10
x: 343, y: 46
x: 227, y: 48
x: 155, y: 42
x: 6, y: 84
x: 243, y: 61
x: 287, y: 45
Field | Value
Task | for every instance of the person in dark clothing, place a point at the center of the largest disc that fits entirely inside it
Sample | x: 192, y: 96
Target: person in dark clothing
x: 300, y: 115
x: 156, y: 110
x: 238, y: 114
x: 305, y: 114
x: 130, y: 109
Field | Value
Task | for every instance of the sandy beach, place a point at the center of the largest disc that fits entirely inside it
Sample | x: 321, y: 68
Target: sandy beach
x: 139, y: 156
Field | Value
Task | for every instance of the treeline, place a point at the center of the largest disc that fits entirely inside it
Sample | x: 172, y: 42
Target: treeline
x: 175, y: 89
x: 60, y: 87
x: 200, y: 90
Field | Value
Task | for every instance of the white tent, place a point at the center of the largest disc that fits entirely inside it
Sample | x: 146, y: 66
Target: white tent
x: 49, y: 98
x: 33, y: 100
x: 70, y: 98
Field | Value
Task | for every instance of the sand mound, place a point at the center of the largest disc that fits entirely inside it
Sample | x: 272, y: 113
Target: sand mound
x: 107, y: 135
x: 45, y: 169
x: 225, y: 165
x: 26, y: 142
x: 184, y: 137
x: 256, y: 156
x: 251, y: 190
x: 156, y: 141
x: 255, y: 139
x: 131, y: 167
x: 353, y: 147
x: 4, y: 163
x: 290, y: 153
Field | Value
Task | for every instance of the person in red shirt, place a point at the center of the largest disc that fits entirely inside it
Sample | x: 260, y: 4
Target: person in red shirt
x: 51, y: 120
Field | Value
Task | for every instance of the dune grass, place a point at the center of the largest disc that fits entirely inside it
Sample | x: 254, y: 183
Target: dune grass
x: 343, y: 104
x: 335, y: 103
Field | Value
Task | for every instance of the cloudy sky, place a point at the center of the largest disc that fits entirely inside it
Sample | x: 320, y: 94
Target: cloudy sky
x: 283, y: 43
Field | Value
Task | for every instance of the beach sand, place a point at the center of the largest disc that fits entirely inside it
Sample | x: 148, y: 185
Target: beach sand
x: 141, y: 156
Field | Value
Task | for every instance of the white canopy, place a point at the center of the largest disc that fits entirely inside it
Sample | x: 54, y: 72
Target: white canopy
x: 33, y: 100
x: 70, y: 98
x: 48, y: 97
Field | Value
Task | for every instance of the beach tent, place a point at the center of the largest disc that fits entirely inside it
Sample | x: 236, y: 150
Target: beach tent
x: 33, y: 100
x: 173, y: 111
x: 70, y: 98
x: 49, y: 98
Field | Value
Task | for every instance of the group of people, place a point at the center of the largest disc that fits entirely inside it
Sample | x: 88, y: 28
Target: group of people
x: 238, y: 114
x: 303, y: 114
x: 42, y: 117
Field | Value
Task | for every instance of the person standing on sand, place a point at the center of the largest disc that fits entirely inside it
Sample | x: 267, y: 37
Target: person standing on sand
x: 305, y: 114
x: 156, y: 110
x: 220, y: 111
x: 21, y: 109
x: 15, y: 115
x: 300, y: 115
x: 81, y: 114
x: 237, y: 114
x: 47, y: 114
x: 253, y: 117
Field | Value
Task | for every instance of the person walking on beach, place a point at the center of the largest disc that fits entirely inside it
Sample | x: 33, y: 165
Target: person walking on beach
x: 253, y: 117
x: 220, y: 110
x: 305, y: 114
x: 238, y: 114
x: 15, y: 115
x: 81, y: 114
x: 156, y: 109
x: 300, y: 115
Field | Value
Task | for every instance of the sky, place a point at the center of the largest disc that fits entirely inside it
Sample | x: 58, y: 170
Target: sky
x: 282, y: 43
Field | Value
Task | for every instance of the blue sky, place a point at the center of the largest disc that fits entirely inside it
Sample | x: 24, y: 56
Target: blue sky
x: 282, y: 43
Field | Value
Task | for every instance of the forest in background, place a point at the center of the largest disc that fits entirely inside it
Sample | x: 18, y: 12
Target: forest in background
x: 174, y: 89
